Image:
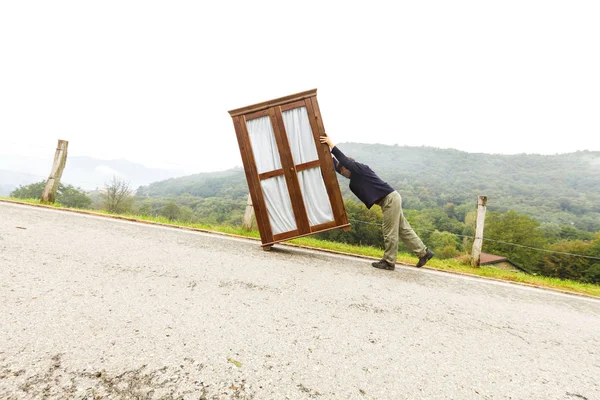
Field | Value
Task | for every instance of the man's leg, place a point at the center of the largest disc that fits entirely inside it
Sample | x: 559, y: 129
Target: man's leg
x: 392, y: 208
x: 407, y: 234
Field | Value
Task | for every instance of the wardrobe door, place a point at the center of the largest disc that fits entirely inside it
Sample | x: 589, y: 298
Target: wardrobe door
x: 272, y: 180
x: 307, y: 166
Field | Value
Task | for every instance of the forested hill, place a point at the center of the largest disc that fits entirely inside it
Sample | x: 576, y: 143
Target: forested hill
x: 230, y: 183
x: 562, y: 188
x: 563, y: 185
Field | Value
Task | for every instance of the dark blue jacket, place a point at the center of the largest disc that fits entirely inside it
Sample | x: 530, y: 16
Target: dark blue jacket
x: 364, y: 183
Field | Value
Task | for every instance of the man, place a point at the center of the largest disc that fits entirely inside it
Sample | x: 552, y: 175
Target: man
x: 370, y: 189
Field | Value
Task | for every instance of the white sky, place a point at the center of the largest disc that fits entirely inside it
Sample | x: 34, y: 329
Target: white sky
x: 152, y: 81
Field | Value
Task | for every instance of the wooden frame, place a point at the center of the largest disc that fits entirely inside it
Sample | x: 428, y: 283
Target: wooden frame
x: 289, y: 170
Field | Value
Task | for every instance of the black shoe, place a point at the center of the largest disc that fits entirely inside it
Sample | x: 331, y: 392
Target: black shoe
x: 382, y: 264
x: 423, y: 260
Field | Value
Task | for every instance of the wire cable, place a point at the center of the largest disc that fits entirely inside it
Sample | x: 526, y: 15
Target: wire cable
x: 495, y: 241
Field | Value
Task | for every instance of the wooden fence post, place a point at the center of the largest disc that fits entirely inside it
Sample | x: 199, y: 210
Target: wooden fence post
x: 479, y: 222
x: 247, y: 221
x: 60, y: 160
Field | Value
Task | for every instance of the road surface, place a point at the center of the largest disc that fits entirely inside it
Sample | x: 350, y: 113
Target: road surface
x: 96, y: 308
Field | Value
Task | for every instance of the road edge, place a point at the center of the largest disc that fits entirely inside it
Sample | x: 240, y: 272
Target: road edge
x: 119, y: 217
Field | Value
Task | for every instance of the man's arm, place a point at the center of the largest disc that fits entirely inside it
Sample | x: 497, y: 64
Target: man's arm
x: 349, y: 164
x: 325, y: 139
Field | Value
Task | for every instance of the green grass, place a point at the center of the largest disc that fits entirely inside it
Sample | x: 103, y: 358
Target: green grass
x: 456, y: 266
x: 32, y: 201
x: 230, y: 230
x: 367, y: 251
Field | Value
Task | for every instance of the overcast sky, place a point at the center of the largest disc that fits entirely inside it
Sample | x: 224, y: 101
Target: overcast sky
x: 152, y: 81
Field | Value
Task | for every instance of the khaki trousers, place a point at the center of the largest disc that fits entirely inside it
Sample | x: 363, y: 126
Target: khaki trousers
x: 396, y: 226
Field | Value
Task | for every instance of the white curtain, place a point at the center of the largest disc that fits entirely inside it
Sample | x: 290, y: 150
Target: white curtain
x: 263, y: 144
x: 302, y: 143
x: 315, y: 196
x: 300, y: 135
x: 266, y: 155
x: 279, y: 205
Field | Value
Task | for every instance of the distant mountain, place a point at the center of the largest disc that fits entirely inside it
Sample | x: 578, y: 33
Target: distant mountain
x: 10, y: 180
x: 91, y: 173
x: 557, y: 189
x: 84, y: 172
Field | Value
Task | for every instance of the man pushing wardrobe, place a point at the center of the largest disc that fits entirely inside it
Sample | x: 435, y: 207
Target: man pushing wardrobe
x: 370, y: 189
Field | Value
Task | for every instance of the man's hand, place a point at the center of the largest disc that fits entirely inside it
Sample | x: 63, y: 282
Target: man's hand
x: 325, y: 139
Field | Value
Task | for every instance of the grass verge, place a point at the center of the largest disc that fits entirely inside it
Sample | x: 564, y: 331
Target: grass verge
x: 449, y: 265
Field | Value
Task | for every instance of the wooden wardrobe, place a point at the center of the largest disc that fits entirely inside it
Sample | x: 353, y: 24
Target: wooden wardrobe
x: 290, y: 174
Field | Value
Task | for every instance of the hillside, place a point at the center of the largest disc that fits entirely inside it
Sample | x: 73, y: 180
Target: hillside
x: 230, y: 183
x: 560, y: 189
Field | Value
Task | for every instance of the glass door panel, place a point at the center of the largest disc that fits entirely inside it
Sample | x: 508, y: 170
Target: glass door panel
x: 302, y: 145
x: 315, y: 196
x: 264, y: 146
x: 279, y: 206
x: 300, y: 135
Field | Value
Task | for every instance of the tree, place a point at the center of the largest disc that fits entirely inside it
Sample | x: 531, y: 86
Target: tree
x: 145, y: 209
x: 215, y: 210
x: 444, y: 244
x: 592, y: 274
x: 505, y: 230
x: 32, y: 191
x: 73, y: 197
x: 117, y: 196
x: 67, y: 196
x: 564, y: 264
x: 170, y: 211
x: 186, y: 214
x: 569, y: 232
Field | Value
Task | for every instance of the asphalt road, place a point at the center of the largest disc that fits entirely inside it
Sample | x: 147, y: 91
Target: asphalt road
x: 94, y: 308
